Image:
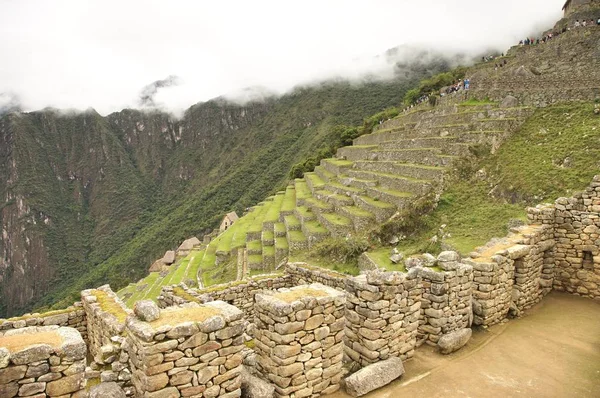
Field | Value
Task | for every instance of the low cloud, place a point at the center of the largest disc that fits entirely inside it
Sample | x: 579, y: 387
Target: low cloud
x: 100, y: 54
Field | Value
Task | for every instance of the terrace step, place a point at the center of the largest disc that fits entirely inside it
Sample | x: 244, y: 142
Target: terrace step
x: 394, y: 181
x: 291, y: 223
x: 297, y: 241
x: 268, y: 257
x: 336, y: 166
x: 412, y: 170
x: 380, y: 209
x: 397, y: 198
x: 268, y: 238
x: 304, y: 214
x: 324, y: 174
x: 302, y: 191
x: 362, y: 219
x: 425, y: 142
x: 318, y: 206
x: 339, y: 226
x: 335, y: 199
x: 342, y: 189
x: 314, y: 182
x: 314, y: 232
x: 254, y: 247
x: 289, y: 202
x: 359, y: 183
x: 425, y: 156
x: 279, y: 230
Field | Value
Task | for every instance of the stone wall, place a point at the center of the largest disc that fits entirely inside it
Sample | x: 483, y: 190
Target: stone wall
x: 239, y: 293
x: 512, y: 274
x: 303, y: 274
x: 192, y: 350
x: 382, y: 316
x: 42, y: 361
x: 106, y: 315
x: 73, y: 316
x: 577, y: 234
x: 446, y: 300
x: 299, y: 339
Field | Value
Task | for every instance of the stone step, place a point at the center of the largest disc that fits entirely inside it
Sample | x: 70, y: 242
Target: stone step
x: 291, y: 223
x: 324, y: 174
x: 302, y: 191
x: 381, y: 136
x: 313, y: 181
x: 254, y: 247
x: 339, y: 226
x: 268, y: 238
x: 380, y: 209
x: 359, y: 183
x: 356, y: 152
x: 394, y: 181
x: 335, y: 166
x: 413, y: 170
x: 397, y: 198
x: 341, y: 189
x: 318, y: 206
x: 268, y: 257
x: 314, y: 232
x: 412, y: 143
x: 279, y: 229
x: 362, y: 219
x: 335, y: 199
x: 255, y: 261
x: 304, y: 214
x: 297, y: 241
x: 425, y: 156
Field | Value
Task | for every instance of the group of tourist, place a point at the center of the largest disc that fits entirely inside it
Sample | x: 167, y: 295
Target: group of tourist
x: 458, y: 86
x: 578, y: 24
x: 583, y: 23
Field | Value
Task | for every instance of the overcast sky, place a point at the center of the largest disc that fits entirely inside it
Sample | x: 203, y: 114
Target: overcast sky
x: 100, y: 54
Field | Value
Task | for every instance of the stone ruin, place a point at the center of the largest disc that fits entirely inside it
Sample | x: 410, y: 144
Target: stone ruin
x: 303, y: 332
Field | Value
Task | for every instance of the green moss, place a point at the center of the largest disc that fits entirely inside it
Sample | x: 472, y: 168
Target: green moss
x: 178, y: 291
x: 108, y: 304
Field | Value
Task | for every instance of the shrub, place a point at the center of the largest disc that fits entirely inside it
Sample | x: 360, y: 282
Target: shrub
x: 344, y: 251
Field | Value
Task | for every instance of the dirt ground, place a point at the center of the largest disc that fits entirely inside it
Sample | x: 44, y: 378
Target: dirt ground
x: 552, y: 351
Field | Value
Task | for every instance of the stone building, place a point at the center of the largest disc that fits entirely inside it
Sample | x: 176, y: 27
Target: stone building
x: 228, y: 221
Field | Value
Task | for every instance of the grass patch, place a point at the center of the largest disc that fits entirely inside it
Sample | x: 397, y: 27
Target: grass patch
x: 281, y: 243
x: 381, y: 256
x: 302, y: 191
x: 178, y: 291
x: 337, y: 219
x: 377, y: 203
x: 297, y: 236
x: 108, y: 304
x: 475, y: 102
x: 289, y: 199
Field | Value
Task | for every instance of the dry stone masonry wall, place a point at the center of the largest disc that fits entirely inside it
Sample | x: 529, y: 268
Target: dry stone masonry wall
x: 42, y: 361
x: 446, y: 299
x: 382, y: 316
x: 192, y: 350
x: 73, y: 316
x: 106, y: 315
x: 299, y: 339
x: 576, y: 225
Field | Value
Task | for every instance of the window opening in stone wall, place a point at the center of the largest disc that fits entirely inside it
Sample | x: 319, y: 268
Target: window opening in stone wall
x: 588, y: 260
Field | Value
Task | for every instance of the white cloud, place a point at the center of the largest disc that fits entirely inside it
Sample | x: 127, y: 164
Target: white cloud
x: 80, y: 54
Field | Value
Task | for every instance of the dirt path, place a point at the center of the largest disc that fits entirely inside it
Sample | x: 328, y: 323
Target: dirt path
x: 553, y: 351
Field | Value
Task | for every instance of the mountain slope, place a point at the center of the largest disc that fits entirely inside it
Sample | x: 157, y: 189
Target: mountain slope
x: 88, y: 199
